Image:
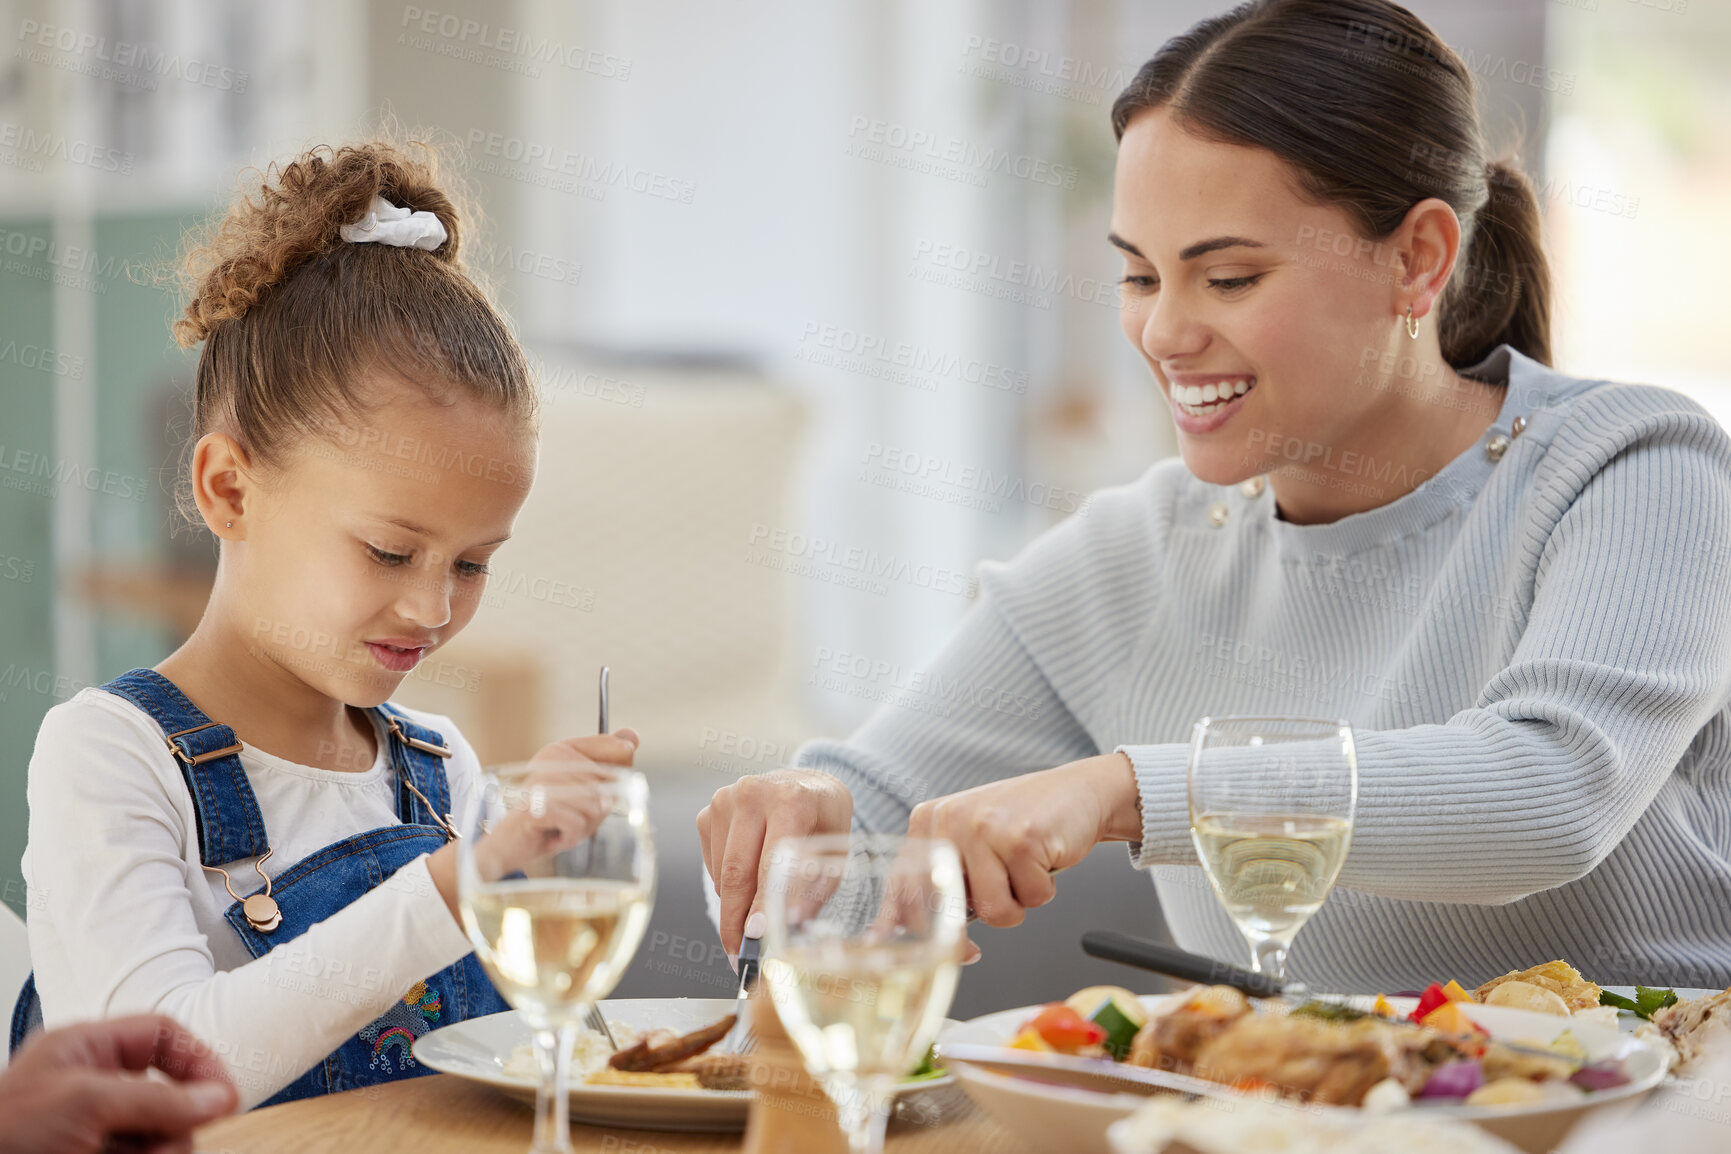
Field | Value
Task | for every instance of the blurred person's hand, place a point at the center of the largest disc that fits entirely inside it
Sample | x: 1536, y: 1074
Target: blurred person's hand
x: 80, y: 1089
x: 744, y: 819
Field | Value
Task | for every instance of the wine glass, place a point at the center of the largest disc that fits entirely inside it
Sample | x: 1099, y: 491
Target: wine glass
x: 863, y: 944
x: 555, y: 879
x: 1272, y: 803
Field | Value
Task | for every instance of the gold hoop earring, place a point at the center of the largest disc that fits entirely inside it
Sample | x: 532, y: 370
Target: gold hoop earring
x: 1411, y: 325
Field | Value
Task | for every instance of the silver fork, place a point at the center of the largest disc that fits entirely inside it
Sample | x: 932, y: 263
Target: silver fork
x: 599, y: 1025
x: 742, y: 1039
x: 593, y: 1019
x: 601, y: 724
x: 596, y: 1022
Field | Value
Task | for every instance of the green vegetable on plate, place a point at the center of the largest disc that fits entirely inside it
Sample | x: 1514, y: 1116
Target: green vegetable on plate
x: 1646, y: 1001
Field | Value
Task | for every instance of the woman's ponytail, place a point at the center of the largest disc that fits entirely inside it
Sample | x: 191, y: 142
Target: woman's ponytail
x: 1501, y: 291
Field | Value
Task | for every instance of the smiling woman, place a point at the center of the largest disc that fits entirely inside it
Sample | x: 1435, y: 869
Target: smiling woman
x: 1339, y: 238
x: 1389, y: 510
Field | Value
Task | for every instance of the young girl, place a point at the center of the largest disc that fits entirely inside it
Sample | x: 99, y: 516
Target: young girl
x: 249, y: 837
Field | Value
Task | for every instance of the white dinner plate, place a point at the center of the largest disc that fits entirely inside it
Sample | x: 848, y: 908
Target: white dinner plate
x: 479, y: 1048
x: 1068, y: 1120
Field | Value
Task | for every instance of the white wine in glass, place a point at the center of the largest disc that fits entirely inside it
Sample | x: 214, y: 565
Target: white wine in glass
x: 1272, y: 803
x: 552, y: 941
x: 863, y: 949
x: 556, y: 880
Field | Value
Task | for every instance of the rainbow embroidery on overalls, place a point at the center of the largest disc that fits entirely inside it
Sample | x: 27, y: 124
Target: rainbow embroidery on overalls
x: 400, y: 1025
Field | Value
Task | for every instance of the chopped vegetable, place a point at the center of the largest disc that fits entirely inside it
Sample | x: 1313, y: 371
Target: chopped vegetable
x: 1120, y: 1030
x: 1435, y: 996
x: 1065, y: 1029
x: 1568, y: 1046
x: 1450, y: 1019
x: 1329, y: 1012
x: 1383, y: 1008
x: 1432, y: 998
x: 1087, y: 1002
x: 1029, y: 1039
x: 1454, y: 1080
x: 928, y: 1067
x: 1600, y: 1076
x: 1647, y: 1000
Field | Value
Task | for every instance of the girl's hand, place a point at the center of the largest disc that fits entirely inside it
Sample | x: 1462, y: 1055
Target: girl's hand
x: 569, y: 803
x: 1013, y: 835
x: 556, y: 807
x: 745, y: 818
x: 616, y: 748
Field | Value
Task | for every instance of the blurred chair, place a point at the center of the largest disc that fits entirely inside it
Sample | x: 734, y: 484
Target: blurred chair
x: 632, y: 552
x: 14, y: 964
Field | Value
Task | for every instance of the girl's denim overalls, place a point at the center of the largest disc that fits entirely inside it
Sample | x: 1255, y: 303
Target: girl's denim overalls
x: 231, y: 829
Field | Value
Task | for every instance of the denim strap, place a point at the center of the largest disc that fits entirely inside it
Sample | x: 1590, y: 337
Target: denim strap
x: 230, y: 827
x: 418, y: 754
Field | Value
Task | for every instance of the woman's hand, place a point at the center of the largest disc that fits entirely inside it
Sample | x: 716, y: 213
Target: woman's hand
x: 1013, y: 835
x: 744, y: 818
x: 77, y: 1089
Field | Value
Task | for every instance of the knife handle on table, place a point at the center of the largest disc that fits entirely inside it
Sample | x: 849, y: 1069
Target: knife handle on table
x: 1177, y: 963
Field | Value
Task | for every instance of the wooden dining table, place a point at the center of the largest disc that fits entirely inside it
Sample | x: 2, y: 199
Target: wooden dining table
x: 444, y: 1114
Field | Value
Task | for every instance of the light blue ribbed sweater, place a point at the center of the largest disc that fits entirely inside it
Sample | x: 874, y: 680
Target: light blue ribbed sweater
x: 1534, y: 653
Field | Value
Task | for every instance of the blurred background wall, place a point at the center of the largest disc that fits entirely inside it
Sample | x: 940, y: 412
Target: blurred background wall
x: 822, y: 303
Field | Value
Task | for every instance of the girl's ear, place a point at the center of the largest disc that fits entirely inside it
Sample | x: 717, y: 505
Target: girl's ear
x: 222, y: 485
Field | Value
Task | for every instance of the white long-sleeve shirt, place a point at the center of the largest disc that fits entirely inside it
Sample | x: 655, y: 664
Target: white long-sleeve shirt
x: 123, y: 919
x: 1534, y: 651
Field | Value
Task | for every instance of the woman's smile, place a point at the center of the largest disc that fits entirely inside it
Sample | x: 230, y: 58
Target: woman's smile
x: 1202, y: 402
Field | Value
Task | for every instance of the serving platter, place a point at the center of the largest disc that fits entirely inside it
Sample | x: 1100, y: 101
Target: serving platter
x: 1070, y: 1120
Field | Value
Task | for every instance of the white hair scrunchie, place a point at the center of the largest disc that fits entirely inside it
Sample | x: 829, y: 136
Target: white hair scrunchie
x: 390, y: 223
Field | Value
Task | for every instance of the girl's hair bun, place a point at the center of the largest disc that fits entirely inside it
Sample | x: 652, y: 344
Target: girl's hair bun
x: 295, y: 215
x: 296, y: 322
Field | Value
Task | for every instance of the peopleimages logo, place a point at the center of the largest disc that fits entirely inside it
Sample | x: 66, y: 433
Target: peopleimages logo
x: 564, y: 170
x: 824, y: 559
x: 43, y: 475
x: 516, y: 42
x: 939, y: 478
x: 38, y: 146
x: 1068, y: 74
x: 921, y: 690
x: 921, y: 360
x: 924, y: 144
x: 1017, y: 281
x: 135, y: 57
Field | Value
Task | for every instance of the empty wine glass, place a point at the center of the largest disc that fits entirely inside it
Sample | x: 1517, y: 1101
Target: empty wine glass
x: 556, y: 878
x: 863, y: 945
x: 1272, y: 803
